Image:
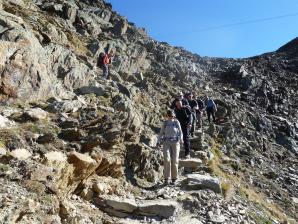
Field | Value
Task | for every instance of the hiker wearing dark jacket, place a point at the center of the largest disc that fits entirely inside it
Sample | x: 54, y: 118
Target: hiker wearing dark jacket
x: 179, y: 97
x: 183, y: 114
x: 210, y: 108
x: 193, y: 106
x: 170, y: 136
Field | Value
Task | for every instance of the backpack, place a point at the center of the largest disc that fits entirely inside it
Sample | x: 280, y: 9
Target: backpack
x: 201, y: 104
x: 100, y: 60
x: 210, y: 103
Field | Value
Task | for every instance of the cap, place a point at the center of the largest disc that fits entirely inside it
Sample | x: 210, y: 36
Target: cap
x: 171, y: 113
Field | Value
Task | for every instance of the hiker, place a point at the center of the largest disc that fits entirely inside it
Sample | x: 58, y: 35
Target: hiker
x: 103, y: 61
x: 210, y: 108
x: 200, y: 111
x: 179, y: 97
x: 193, y: 108
x: 170, y: 136
x: 183, y: 114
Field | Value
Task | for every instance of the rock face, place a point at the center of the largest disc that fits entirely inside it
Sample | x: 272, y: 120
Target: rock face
x: 68, y: 137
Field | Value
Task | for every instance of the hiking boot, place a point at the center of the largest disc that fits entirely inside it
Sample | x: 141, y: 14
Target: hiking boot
x: 166, y: 182
x: 173, y: 182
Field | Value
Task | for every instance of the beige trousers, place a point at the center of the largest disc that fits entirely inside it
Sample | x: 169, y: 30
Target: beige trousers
x: 171, y: 156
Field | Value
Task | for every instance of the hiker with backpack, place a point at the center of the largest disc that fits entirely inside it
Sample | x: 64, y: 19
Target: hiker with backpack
x: 179, y: 97
x: 193, y: 106
x: 184, y: 116
x: 170, y: 136
x: 210, y: 108
x: 104, y: 60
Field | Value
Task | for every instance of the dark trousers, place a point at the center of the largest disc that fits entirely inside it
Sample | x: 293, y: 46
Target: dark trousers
x: 210, y: 111
x: 105, y: 69
x: 185, y: 131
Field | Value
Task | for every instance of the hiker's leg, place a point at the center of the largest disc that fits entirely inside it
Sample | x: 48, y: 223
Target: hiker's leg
x: 166, y: 160
x: 105, y: 71
x: 175, y: 149
x: 213, y: 114
x: 199, y: 119
x: 208, y: 114
x: 185, y: 131
x: 194, y: 123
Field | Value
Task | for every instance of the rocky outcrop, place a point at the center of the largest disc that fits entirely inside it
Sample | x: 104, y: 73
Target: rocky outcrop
x: 68, y: 136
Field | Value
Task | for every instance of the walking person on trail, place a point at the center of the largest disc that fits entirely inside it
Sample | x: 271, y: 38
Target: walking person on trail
x: 103, y: 61
x: 184, y: 116
x: 170, y: 136
x: 210, y: 108
x: 193, y: 108
x: 200, y: 111
x: 179, y: 97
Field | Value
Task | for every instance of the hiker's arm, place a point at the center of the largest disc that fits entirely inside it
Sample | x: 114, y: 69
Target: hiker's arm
x: 189, y: 117
x: 180, y: 134
x: 161, y: 133
x: 215, y: 107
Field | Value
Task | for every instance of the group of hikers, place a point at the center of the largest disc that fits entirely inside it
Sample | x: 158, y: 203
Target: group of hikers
x: 183, y: 117
x: 185, y: 114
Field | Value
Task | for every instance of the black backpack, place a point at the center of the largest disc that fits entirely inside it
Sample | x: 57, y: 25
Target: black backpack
x: 100, y: 59
x: 200, y: 104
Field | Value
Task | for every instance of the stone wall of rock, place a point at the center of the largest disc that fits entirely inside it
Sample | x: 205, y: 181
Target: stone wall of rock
x: 69, y: 139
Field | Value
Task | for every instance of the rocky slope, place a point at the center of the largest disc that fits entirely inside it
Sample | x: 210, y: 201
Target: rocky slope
x: 75, y: 148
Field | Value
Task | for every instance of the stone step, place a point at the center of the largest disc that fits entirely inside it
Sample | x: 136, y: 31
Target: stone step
x: 199, y: 182
x: 190, y: 163
x: 122, y: 207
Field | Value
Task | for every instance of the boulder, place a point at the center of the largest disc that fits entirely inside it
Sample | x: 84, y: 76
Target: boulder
x: 66, y: 106
x: 162, y: 208
x: 45, y: 138
x: 97, y: 90
x: 84, y: 165
x: 5, y: 122
x: 190, y: 163
x: 123, y: 205
x: 3, y: 151
x: 35, y: 114
x: 198, y: 181
x: 120, y: 27
x: 20, y: 154
x: 67, y: 209
x: 71, y: 134
x: 55, y: 159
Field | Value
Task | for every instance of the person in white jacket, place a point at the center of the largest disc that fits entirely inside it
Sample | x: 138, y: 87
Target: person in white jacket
x: 170, y: 136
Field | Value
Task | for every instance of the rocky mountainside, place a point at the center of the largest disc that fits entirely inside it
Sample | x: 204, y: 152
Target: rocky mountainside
x: 75, y: 148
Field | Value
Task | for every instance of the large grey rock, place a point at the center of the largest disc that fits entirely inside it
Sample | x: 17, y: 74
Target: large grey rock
x: 97, y: 90
x: 66, y: 106
x: 198, y: 181
x: 35, y: 114
x: 20, y: 154
x: 5, y: 122
x: 190, y: 163
x: 120, y: 27
x: 162, y: 208
x: 123, y: 205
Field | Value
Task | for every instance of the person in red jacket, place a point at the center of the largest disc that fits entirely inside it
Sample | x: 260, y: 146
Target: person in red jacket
x: 105, y: 61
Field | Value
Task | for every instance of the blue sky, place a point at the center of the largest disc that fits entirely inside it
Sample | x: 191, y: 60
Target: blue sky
x: 182, y: 23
